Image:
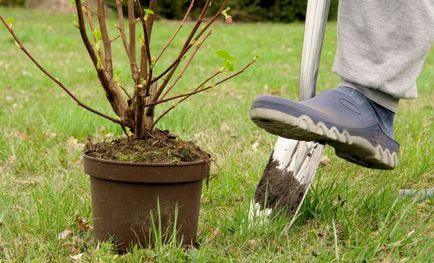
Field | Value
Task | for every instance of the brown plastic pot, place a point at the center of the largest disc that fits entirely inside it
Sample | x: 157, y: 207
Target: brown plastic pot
x: 125, y: 194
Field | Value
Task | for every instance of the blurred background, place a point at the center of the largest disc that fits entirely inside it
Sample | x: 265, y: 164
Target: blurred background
x: 241, y: 10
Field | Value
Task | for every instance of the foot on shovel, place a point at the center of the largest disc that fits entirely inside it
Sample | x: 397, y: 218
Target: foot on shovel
x: 359, y: 130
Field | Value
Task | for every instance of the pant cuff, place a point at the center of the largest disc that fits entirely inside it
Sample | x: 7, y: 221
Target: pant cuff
x: 384, y: 99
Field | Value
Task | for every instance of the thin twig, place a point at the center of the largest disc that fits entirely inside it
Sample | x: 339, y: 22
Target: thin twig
x: 115, y: 38
x: 125, y: 131
x: 87, y: 7
x: 113, y: 96
x: 187, y: 64
x: 145, y: 34
x: 125, y: 91
x: 186, y: 47
x: 121, y: 27
x: 213, y: 19
x: 108, y: 64
x: 188, y: 44
x: 176, y: 31
x: 206, y: 88
x: 57, y: 81
x: 89, y: 13
x: 144, y: 72
x: 132, y: 47
x: 186, y: 97
x: 89, y: 17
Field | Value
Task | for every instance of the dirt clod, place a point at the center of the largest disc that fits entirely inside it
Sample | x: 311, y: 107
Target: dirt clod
x: 158, y: 147
x: 279, y: 189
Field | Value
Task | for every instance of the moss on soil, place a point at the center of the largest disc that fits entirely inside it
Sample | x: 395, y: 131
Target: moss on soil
x: 158, y: 147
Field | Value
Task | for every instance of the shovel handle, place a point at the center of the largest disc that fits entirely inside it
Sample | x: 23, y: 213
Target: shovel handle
x: 316, y: 20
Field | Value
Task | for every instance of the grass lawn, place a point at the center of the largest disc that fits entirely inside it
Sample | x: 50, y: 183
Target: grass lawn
x: 352, y: 214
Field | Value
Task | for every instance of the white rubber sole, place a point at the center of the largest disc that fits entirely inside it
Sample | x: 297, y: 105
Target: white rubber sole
x: 352, y: 148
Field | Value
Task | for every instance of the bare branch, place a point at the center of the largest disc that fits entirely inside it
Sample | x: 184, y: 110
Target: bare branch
x: 89, y: 10
x: 57, y: 81
x: 176, y: 31
x: 114, y: 97
x: 145, y: 118
x: 187, y: 64
x: 108, y: 64
x: 206, y: 88
x: 146, y: 33
x: 121, y: 27
x: 132, y: 31
x: 125, y: 91
x: 115, y: 38
x: 186, y: 97
x: 213, y: 19
x: 187, y: 45
x: 89, y: 13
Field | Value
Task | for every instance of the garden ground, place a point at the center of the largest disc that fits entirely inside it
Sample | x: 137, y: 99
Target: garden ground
x: 351, y: 214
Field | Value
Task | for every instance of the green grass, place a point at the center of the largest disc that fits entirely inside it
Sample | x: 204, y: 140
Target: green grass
x: 352, y: 214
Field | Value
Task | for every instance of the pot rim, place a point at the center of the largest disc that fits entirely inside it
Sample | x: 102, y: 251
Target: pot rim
x: 144, y: 163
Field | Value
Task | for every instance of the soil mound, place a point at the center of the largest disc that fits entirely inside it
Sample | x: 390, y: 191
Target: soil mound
x: 158, y: 147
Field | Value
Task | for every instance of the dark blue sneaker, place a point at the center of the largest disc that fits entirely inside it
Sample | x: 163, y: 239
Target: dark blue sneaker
x: 343, y: 118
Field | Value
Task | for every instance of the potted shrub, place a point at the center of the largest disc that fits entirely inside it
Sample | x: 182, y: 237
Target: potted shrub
x: 149, y: 179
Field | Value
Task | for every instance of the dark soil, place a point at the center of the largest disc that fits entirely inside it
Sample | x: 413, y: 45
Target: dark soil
x: 158, y: 147
x: 279, y: 189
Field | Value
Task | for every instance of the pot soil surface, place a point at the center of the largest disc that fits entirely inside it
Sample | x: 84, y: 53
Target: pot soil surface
x: 157, y: 147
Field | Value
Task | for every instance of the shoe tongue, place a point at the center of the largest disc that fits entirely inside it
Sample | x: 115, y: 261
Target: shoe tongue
x: 384, y: 116
x: 356, y: 96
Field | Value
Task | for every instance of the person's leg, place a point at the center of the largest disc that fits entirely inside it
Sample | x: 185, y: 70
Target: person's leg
x: 382, y: 47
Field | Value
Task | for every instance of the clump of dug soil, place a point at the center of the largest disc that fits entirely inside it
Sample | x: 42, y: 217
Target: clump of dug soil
x: 158, y: 147
x: 279, y: 189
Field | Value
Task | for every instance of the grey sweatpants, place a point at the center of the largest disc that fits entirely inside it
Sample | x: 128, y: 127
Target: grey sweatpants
x: 382, y: 45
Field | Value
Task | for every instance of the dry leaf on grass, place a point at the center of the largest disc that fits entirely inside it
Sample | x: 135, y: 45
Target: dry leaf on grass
x: 76, y: 257
x: 255, y: 146
x: 253, y: 242
x: 72, y: 144
x: 325, y: 161
x: 82, y: 223
x: 50, y: 135
x: 411, y: 233
x: 1, y: 221
x: 200, y: 136
x: 24, y: 181
x: 225, y: 128
x: 215, y: 233
x: 64, y: 234
x: 21, y: 135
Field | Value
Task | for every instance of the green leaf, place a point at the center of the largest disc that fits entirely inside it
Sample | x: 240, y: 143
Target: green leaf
x: 10, y: 20
x: 98, y: 45
x: 228, y: 60
x: 225, y: 12
x: 117, y: 75
x: 75, y: 22
x: 224, y: 54
x: 148, y: 13
x: 141, y: 40
x: 97, y: 34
